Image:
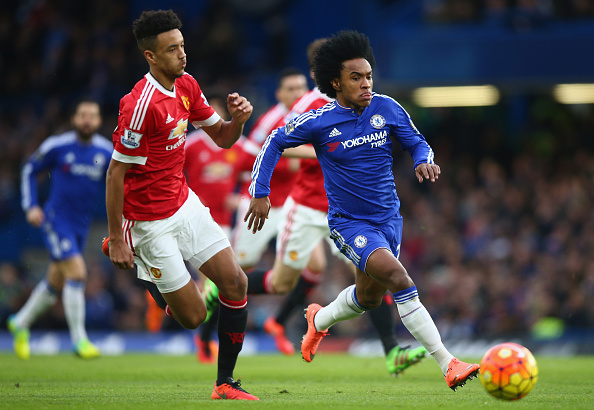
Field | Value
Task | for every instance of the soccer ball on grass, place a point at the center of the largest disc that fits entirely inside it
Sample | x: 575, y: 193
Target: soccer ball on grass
x: 508, y: 371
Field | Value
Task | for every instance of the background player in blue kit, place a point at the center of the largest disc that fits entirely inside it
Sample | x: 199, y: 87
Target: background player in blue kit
x: 352, y: 137
x: 77, y: 161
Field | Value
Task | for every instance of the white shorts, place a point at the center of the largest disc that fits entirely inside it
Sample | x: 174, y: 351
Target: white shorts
x: 302, y: 228
x: 248, y: 246
x: 162, y: 246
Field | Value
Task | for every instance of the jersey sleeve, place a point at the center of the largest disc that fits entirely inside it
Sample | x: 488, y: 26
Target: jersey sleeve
x: 43, y: 158
x: 129, y: 137
x: 201, y: 113
x: 296, y: 132
x: 410, y: 138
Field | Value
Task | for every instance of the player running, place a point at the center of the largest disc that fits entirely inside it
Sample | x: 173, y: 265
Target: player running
x: 155, y: 220
x: 76, y: 161
x: 352, y: 137
x: 300, y: 257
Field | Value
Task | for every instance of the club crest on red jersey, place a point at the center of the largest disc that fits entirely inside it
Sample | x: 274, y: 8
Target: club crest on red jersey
x: 186, y: 102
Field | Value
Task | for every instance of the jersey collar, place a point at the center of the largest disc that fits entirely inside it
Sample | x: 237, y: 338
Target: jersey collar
x: 158, y: 86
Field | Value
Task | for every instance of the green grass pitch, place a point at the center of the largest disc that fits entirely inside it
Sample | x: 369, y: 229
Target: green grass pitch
x: 331, y: 381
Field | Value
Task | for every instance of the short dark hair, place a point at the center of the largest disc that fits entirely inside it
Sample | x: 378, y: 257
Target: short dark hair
x: 150, y: 24
x: 341, y: 47
x: 83, y: 100
x: 287, y: 72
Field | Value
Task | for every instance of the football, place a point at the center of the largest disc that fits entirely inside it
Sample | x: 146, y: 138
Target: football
x: 508, y: 371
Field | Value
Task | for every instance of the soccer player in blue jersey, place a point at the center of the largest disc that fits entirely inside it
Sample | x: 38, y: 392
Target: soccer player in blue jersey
x: 77, y: 161
x: 353, y: 138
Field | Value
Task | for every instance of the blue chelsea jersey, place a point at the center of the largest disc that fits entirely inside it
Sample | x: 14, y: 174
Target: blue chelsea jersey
x: 76, y: 172
x: 355, y: 153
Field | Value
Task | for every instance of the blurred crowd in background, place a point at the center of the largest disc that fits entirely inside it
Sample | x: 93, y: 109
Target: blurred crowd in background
x: 502, y: 242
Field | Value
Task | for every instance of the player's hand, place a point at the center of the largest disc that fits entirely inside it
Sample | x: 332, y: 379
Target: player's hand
x: 239, y: 107
x: 35, y: 216
x: 427, y: 171
x: 120, y: 254
x: 257, y: 213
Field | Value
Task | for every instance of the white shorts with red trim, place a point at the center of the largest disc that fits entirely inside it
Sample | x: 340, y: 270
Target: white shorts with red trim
x: 161, y: 247
x: 302, y: 228
x: 248, y: 246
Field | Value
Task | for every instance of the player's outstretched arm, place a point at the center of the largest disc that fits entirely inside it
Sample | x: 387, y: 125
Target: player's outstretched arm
x: 427, y: 171
x: 257, y: 213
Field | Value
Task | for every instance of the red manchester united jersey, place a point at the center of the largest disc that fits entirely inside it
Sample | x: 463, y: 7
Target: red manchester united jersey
x: 308, y: 187
x: 211, y: 173
x: 151, y: 134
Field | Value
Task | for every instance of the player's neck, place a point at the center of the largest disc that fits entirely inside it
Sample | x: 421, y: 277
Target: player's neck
x: 164, y: 80
x: 83, y: 137
x: 343, y: 102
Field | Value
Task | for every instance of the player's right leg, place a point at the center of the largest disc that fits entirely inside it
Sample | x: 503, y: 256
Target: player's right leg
x: 248, y: 249
x: 204, y: 244
x: 74, y: 271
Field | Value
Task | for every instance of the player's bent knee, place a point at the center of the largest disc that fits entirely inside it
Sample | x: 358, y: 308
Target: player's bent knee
x: 191, y: 320
x: 282, y: 286
x: 233, y: 286
x: 399, y: 279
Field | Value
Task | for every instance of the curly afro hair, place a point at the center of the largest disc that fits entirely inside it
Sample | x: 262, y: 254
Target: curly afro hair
x: 152, y: 23
x: 341, y: 47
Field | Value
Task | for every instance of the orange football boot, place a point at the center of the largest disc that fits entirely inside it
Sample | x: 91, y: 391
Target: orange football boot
x: 311, y: 339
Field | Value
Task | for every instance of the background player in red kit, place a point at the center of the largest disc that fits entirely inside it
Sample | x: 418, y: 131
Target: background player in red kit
x: 211, y: 171
x: 292, y: 84
x: 155, y: 220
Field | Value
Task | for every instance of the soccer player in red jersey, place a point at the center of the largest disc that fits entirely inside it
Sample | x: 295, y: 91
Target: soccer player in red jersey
x: 155, y: 220
x: 292, y: 84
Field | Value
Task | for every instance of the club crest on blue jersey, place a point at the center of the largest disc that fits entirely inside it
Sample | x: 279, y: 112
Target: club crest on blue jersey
x: 360, y: 241
x: 377, y: 121
x: 131, y: 139
x: 290, y: 127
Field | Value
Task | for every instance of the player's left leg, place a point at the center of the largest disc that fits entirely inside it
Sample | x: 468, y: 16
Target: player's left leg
x: 224, y: 271
x: 384, y: 267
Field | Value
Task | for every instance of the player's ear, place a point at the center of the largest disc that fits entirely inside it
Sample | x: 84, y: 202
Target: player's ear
x: 335, y: 84
x: 150, y: 56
